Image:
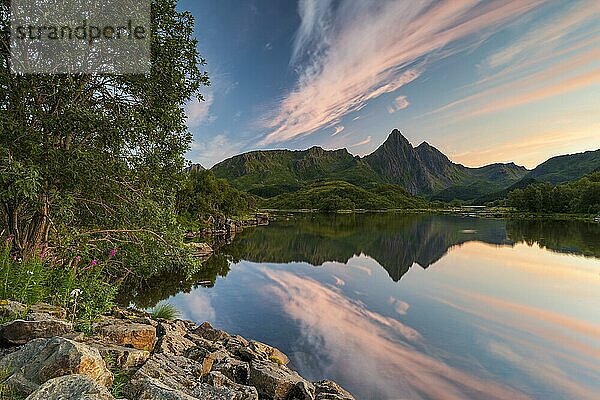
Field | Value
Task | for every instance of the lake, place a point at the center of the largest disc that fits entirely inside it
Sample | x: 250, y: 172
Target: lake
x: 396, y: 306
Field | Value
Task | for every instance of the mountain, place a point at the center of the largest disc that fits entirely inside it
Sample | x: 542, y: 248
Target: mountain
x: 269, y: 173
x: 426, y: 170
x: 194, y: 168
x: 566, y: 168
x: 421, y: 170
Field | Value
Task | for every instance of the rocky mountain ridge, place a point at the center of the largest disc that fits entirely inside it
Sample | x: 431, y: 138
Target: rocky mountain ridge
x: 422, y: 170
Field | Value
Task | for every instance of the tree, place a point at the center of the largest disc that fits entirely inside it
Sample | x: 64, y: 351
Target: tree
x: 98, y: 156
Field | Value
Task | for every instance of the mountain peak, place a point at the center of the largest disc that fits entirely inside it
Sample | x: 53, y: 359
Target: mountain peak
x: 397, y: 138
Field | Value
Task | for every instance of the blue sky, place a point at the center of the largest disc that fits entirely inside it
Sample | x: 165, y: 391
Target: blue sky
x: 483, y: 81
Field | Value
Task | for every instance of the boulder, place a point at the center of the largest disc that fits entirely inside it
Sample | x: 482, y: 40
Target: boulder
x: 71, y: 387
x: 125, y: 333
x: 173, y: 340
x: 276, y: 382
x: 234, y: 369
x: 168, y: 377
x: 12, y: 309
x: 207, y: 332
x: 124, y: 358
x: 329, y: 390
x: 269, y: 352
x: 147, y: 388
x: 52, y: 311
x: 43, y: 359
x: 19, y: 332
x: 218, y: 380
x: 200, y: 249
x: 162, y: 372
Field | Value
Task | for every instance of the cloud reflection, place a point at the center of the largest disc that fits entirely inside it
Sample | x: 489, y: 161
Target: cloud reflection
x: 365, y: 346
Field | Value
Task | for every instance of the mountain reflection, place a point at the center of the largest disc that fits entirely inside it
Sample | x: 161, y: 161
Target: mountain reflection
x: 395, y: 241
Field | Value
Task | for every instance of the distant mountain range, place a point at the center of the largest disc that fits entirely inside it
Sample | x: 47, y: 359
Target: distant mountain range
x: 421, y: 170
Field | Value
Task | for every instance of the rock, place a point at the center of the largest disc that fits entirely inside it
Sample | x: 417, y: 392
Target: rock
x: 43, y: 359
x: 217, y: 379
x: 279, y: 383
x: 19, y: 332
x: 162, y: 372
x: 53, y: 311
x: 12, y: 309
x: 200, y: 249
x: 206, y: 331
x: 71, y: 387
x: 133, y: 315
x: 173, y: 340
x: 329, y: 390
x: 271, y: 353
x: 148, y: 388
x: 175, y: 344
x: 236, y: 370
x: 178, y: 378
x: 124, y: 358
x: 125, y: 333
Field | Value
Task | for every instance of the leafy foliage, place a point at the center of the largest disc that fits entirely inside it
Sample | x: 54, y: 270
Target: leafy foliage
x: 80, y: 288
x: 91, y: 162
x: 203, y: 196
x: 581, y: 196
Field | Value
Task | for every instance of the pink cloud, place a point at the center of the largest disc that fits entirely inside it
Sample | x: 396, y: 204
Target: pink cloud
x: 372, y: 49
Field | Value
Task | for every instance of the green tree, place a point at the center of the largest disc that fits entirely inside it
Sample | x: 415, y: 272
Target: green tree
x: 203, y: 196
x: 95, y: 158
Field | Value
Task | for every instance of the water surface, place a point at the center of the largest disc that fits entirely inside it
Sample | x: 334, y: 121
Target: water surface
x: 413, y: 306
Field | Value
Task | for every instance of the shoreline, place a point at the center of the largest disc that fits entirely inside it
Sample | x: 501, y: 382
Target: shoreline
x: 475, y: 211
x: 129, y: 354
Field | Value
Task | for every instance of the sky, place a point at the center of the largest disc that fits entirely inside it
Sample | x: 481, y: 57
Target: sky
x: 483, y: 81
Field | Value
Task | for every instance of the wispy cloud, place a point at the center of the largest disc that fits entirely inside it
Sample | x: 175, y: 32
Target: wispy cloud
x: 362, y: 142
x: 400, y: 103
x: 549, y: 34
x: 360, y: 50
x: 212, y: 150
x: 198, y: 111
x: 338, y: 129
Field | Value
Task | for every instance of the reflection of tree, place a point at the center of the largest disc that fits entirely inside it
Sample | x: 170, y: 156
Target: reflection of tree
x: 396, y: 242
x: 571, y: 237
x: 147, y: 293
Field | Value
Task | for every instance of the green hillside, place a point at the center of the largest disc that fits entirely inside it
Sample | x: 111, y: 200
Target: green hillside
x: 340, y: 195
x: 566, y: 168
x: 271, y: 173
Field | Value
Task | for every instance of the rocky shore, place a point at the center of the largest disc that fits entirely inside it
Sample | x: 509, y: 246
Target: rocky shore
x: 130, y: 355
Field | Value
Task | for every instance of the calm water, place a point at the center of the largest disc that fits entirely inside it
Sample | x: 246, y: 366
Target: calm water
x: 413, y: 307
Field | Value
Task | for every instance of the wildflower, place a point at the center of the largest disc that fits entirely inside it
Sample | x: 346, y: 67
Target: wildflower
x: 75, y: 292
x: 30, y: 273
x: 112, y: 253
x: 94, y: 263
x: 9, y: 238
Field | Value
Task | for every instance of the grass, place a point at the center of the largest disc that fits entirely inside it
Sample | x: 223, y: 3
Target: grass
x: 5, y: 393
x: 121, y: 377
x: 84, y: 292
x: 165, y: 311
